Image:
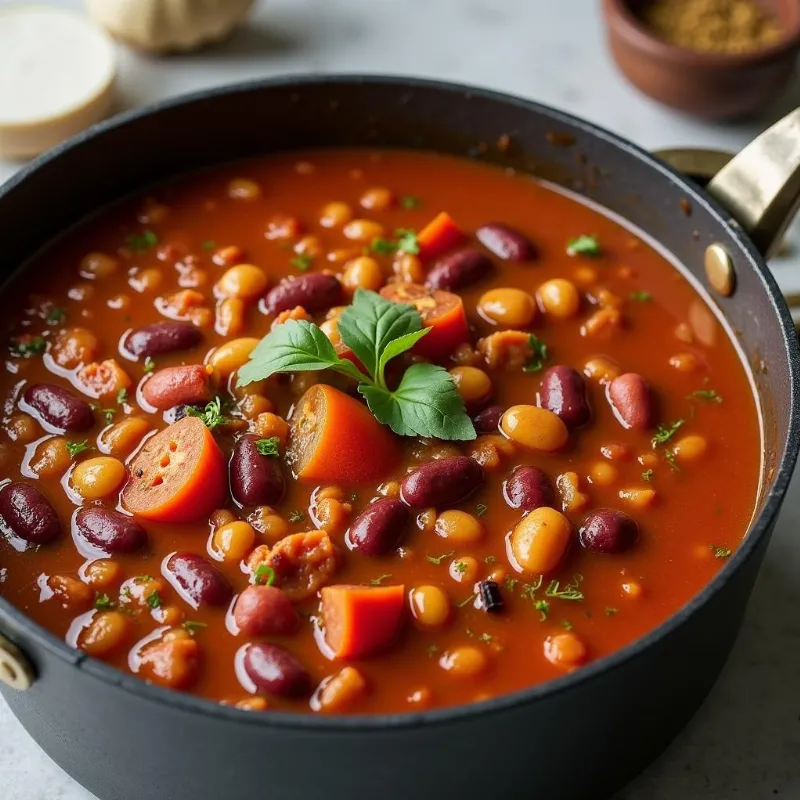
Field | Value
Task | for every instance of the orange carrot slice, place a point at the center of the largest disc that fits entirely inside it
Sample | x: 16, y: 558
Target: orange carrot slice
x: 361, y: 620
x: 334, y: 437
x: 440, y: 234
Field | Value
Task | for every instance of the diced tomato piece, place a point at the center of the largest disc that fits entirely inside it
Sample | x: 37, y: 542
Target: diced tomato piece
x: 438, y: 236
x: 361, y: 620
x: 441, y: 311
x: 334, y: 438
x: 179, y: 475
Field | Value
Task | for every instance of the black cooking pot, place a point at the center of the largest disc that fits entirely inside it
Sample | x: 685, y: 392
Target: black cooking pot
x: 580, y: 736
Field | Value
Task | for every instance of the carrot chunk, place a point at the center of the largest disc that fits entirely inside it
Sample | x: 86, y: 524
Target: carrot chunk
x: 361, y: 620
x: 440, y: 234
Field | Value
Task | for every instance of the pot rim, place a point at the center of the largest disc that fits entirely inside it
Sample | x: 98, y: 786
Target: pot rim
x: 388, y: 722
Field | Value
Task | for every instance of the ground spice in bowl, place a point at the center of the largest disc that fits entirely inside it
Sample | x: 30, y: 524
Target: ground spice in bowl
x: 712, y: 26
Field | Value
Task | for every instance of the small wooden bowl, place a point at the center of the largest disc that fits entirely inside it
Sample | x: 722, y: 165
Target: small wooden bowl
x: 713, y: 85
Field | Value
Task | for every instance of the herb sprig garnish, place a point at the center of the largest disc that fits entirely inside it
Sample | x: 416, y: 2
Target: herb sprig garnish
x: 583, y: 246
x: 405, y: 242
x: 425, y: 403
x: 539, y: 356
x: 211, y: 415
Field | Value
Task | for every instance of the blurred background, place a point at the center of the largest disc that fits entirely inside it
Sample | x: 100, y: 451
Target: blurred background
x: 745, y: 742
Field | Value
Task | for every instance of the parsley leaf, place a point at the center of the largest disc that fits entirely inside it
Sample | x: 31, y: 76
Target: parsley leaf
x: 438, y: 559
x: 570, y: 592
x: 672, y: 460
x: 264, y: 575
x: 583, y: 246
x: 543, y: 607
x: 211, y: 415
x: 149, y: 365
x: 708, y: 395
x: 109, y: 413
x: 460, y: 567
x: 142, y: 241
x: 122, y: 396
x: 641, y: 297
x: 647, y: 475
x: 154, y: 599
x: 410, y: 202
x: 407, y: 241
x: 302, y: 262
x: 511, y: 583
x: 380, y: 579
x: 103, y: 602
x: 192, y: 627
x: 75, y: 448
x: 28, y: 346
x: 268, y: 447
x: 720, y: 551
x: 383, y: 247
x: 490, y: 560
x: 539, y: 354
x: 566, y: 625
x: 296, y: 515
x: 55, y: 316
x: 665, y: 432
x: 481, y: 509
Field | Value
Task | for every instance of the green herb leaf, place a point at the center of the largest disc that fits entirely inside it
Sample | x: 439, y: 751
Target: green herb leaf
x: 610, y: 611
x: 193, y: 627
x: 720, y: 551
x: 142, y: 241
x: 122, y: 396
x: 672, y: 460
x: 539, y: 354
x: 383, y: 247
x: 154, y: 599
x: 75, y: 448
x: 570, y: 592
x: 647, y: 475
x: 209, y: 245
x: 511, y: 584
x: 543, y: 607
x: 296, y: 515
x: 28, y: 346
x: 708, y: 395
x: 211, y: 415
x: 109, y: 413
x: 460, y: 567
x: 583, y: 246
x: 481, y: 509
x: 294, y: 346
x: 302, y: 262
x: 103, y: 602
x: 380, y: 579
x: 149, y: 365
x: 490, y: 560
x: 665, y: 432
x: 55, y: 316
x: 486, y: 638
x: 264, y: 575
x: 641, y: 297
x: 467, y: 600
x: 566, y: 625
x: 407, y: 241
x: 142, y: 578
x: 268, y: 447
x: 425, y: 403
x: 410, y: 202
x: 438, y: 559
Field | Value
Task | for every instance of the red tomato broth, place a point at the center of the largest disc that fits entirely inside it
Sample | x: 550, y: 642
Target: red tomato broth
x: 708, y: 503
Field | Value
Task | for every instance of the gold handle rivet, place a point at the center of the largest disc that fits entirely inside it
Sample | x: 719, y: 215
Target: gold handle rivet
x: 719, y: 270
x: 15, y: 669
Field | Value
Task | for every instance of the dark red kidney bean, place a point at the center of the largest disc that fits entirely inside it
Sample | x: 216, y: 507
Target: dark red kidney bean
x: 564, y: 393
x: 28, y: 513
x: 255, y: 480
x: 488, y: 420
x: 175, y: 386
x: 265, y: 611
x: 505, y: 242
x: 275, y: 671
x: 162, y: 337
x: 632, y: 401
x: 459, y: 269
x: 197, y: 580
x: 109, y: 530
x: 379, y: 528
x: 608, y: 531
x: 58, y: 407
x: 440, y: 483
x: 528, y: 488
x: 316, y: 291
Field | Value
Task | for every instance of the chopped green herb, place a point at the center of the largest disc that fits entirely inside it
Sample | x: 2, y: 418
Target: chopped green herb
x: 149, y: 365
x: 641, y: 297
x: 142, y: 241
x: 122, y: 396
x: 438, y: 559
x: 296, y: 515
x: 380, y: 579
x: 610, y: 611
x: 720, y: 551
x: 383, y: 247
x: 126, y: 592
x: 466, y: 601
x: 571, y: 591
x: 28, y: 346
x: 529, y: 589
x: 302, y: 262
x: 566, y: 625
x: 672, y: 460
x: 154, y: 599
x: 109, y: 413
x: 75, y: 448
x: 665, y: 432
x: 268, y: 447
x: 209, y: 245
x: 543, y: 607
x: 511, y: 584
x: 353, y: 497
x: 142, y: 578
x: 410, y: 202
x: 407, y: 241
x: 539, y: 356
x: 647, y: 475
x: 264, y: 575
x: 481, y: 509
x: 490, y: 560
x: 211, y: 415
x: 583, y: 246
x: 460, y: 567
x: 432, y: 650
x: 103, y: 602
x: 708, y: 395
x: 55, y: 316
x: 486, y: 638
x: 192, y: 627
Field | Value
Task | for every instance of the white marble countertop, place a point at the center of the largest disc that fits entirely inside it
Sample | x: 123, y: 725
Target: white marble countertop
x: 745, y: 742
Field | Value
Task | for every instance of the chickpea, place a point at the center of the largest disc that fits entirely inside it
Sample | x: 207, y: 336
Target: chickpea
x: 508, y: 308
x: 633, y: 589
x: 81, y: 292
x: 506, y: 349
x: 243, y: 189
x: 565, y: 650
x: 269, y: 523
x: 690, y: 448
x: 603, y: 474
x: 252, y: 704
x: 245, y: 281
x: 342, y: 690
x: 683, y: 333
x: 473, y: 384
x: 119, y: 302
x: 559, y: 298
x: 22, y: 428
x: 298, y: 312
x: 464, y: 570
x: 331, y: 329
x: 73, y: 347
x: 376, y: 199
x: 334, y: 215
x: 253, y: 405
x: 363, y: 273
x: 268, y: 425
x: 98, y: 477
x: 602, y: 370
x: 603, y: 320
x: 332, y: 514
x: 607, y: 299
x: 220, y: 517
x: 106, y: 634
x: 123, y: 437
x: 341, y: 255
x: 648, y: 460
x: 389, y: 489
x: 464, y: 355
x: 146, y: 280
x: 101, y: 574
x: 97, y: 266
x: 51, y: 458
x: 408, y: 268
x: 586, y: 276
x: 638, y: 498
x: 491, y: 451
x: 458, y: 527
x: 71, y: 592
x: 309, y: 246
x: 230, y: 316
x: 230, y: 356
x: 228, y: 256
x: 572, y: 498
x: 169, y: 615
x: 234, y: 540
x: 535, y: 428
x: 281, y: 227
x: 430, y: 606
x: 615, y: 451
x: 464, y: 662
x: 684, y: 362
x: 540, y: 540
x: 363, y: 230
x: 426, y: 520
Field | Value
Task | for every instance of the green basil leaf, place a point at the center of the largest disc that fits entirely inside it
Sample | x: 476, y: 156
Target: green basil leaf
x: 425, y: 403
x: 294, y: 346
x: 397, y: 347
x: 371, y: 323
